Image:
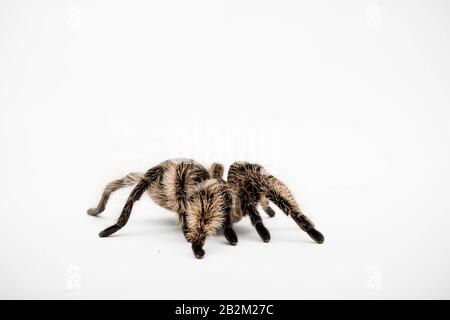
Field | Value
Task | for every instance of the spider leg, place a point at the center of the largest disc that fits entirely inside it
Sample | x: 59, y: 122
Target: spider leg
x: 248, y: 199
x: 216, y: 171
x: 229, y: 232
x: 185, y: 176
x: 139, y: 189
x: 250, y: 209
x: 279, y: 194
x: 198, y: 251
x: 306, y: 225
x: 264, y: 202
x: 129, y: 180
x: 184, y: 226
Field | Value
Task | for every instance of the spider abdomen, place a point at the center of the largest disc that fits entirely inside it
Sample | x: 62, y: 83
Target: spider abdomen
x: 177, y: 183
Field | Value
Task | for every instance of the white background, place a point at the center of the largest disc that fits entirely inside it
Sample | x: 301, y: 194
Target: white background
x: 347, y: 103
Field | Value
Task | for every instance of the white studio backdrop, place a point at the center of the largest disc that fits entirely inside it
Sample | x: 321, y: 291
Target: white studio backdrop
x: 347, y: 102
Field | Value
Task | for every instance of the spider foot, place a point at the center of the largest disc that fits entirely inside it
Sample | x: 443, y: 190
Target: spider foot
x: 93, y: 212
x: 269, y: 211
x: 109, y: 231
x: 198, y: 251
x: 316, y: 235
x: 231, y: 236
x: 263, y: 232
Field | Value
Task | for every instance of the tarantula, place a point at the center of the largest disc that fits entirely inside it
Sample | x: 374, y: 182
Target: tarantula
x: 204, y: 202
x: 201, y: 201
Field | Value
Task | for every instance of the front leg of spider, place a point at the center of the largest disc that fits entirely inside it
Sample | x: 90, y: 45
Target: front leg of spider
x: 248, y: 198
x: 184, y: 226
x: 279, y: 194
x: 256, y: 220
x: 255, y: 184
x: 231, y: 236
x: 306, y: 225
x: 198, y: 251
x: 264, y: 202
x: 228, y: 231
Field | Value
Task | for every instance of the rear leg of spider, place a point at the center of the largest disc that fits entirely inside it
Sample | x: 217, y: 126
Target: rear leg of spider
x: 129, y: 180
x: 135, y: 195
x: 109, y: 231
x: 126, y: 211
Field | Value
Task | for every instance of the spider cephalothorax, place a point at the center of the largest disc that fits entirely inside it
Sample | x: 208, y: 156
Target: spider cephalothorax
x: 252, y: 184
x: 209, y: 211
x: 201, y: 201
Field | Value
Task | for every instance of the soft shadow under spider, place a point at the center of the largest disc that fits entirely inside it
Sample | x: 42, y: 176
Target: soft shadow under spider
x: 120, y: 235
x: 162, y: 222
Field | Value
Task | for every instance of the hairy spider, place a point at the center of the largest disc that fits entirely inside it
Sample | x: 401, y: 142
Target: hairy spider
x: 205, y: 203
x: 199, y: 197
x: 251, y: 184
